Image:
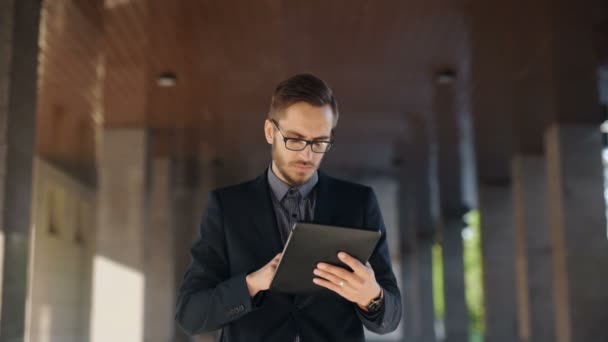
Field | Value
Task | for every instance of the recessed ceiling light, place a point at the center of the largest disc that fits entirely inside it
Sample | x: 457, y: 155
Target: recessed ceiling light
x: 446, y: 76
x: 167, y: 79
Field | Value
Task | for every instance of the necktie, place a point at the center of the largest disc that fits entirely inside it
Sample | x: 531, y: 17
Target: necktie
x: 291, y: 204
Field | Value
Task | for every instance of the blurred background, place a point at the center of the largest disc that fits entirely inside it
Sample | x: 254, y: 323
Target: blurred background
x: 480, y: 125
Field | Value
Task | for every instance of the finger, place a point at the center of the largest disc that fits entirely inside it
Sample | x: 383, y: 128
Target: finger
x: 339, y: 272
x: 274, y: 262
x: 329, y: 285
x: 355, y: 264
x: 332, y: 278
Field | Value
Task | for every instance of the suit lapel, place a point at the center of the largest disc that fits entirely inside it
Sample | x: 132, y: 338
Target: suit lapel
x: 325, y: 202
x: 263, y: 214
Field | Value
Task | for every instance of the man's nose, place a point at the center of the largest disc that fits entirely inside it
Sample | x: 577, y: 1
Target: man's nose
x: 306, y: 153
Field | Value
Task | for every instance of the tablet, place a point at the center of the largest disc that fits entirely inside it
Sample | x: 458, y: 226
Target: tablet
x: 309, y: 244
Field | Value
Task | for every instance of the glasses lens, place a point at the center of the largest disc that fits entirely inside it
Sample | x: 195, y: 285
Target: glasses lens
x: 321, y: 147
x: 295, y: 144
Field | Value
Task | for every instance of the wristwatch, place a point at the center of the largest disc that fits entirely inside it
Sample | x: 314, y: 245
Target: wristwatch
x: 376, y: 303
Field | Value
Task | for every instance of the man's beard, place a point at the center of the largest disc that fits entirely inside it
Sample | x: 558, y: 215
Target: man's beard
x: 281, y: 167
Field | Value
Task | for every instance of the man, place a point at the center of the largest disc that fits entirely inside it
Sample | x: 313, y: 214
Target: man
x: 245, y: 228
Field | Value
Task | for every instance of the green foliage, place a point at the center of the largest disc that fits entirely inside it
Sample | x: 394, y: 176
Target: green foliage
x: 438, y: 293
x: 474, y: 276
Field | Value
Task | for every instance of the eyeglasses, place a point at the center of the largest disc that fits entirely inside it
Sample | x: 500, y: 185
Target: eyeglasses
x: 295, y: 144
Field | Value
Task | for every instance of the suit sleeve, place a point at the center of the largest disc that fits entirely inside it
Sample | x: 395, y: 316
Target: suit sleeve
x: 389, y: 316
x: 209, y: 297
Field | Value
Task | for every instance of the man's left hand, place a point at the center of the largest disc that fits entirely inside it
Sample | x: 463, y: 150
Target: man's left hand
x: 359, y: 286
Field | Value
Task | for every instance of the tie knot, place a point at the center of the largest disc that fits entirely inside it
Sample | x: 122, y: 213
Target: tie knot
x: 292, y: 192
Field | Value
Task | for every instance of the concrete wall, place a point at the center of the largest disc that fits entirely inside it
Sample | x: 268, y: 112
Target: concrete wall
x: 63, y: 222
x: 386, y: 190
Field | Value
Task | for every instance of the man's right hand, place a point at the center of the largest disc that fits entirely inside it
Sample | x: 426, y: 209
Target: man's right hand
x: 260, y: 279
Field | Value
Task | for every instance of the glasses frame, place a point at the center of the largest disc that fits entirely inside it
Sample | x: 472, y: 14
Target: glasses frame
x: 308, y: 142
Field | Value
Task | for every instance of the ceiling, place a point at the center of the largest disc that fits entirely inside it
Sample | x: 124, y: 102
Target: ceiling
x: 100, y: 61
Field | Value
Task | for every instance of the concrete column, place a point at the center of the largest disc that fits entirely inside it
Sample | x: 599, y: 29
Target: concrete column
x: 159, y: 258
x: 411, y: 325
x: 119, y: 265
x: 424, y: 270
x: 420, y: 176
x: 410, y: 295
x: 533, y: 249
x: 577, y: 216
x: 19, y: 22
x: 577, y: 212
x: 452, y: 206
x: 417, y: 280
x: 497, y: 239
x: 456, y: 313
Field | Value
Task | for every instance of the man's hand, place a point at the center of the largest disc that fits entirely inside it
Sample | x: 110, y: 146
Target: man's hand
x: 359, y: 286
x: 260, y: 279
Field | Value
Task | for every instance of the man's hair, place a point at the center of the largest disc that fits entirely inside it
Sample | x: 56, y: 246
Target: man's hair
x: 302, y: 88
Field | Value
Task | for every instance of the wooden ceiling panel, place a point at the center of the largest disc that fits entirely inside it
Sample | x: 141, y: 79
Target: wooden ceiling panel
x: 379, y: 56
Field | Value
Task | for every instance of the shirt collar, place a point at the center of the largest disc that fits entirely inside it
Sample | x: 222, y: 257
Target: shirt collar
x: 280, y: 188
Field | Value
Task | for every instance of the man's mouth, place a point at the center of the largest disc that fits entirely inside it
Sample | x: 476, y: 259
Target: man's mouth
x: 303, y: 166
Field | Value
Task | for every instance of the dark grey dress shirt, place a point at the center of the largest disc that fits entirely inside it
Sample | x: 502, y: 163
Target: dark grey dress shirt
x: 292, y: 204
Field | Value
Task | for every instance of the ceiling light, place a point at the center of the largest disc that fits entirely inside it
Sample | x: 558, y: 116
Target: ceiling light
x: 446, y: 76
x: 167, y: 79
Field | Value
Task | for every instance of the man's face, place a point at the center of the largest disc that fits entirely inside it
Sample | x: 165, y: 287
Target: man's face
x: 302, y: 121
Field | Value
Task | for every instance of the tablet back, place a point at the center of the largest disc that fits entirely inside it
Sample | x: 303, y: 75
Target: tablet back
x: 309, y: 244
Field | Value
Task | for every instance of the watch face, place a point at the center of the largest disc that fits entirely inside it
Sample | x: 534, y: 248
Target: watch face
x: 374, y: 305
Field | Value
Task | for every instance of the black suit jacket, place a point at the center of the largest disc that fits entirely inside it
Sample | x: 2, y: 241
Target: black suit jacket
x: 239, y: 234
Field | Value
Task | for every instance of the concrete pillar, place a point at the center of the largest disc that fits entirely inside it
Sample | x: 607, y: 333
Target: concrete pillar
x: 119, y: 265
x: 533, y: 249
x: 424, y: 270
x: 419, y: 175
x: 412, y: 286
x: 411, y: 325
x: 577, y: 212
x: 447, y: 122
x: 159, y: 258
x: 18, y: 73
x: 497, y: 239
x: 456, y: 313
x: 577, y: 216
